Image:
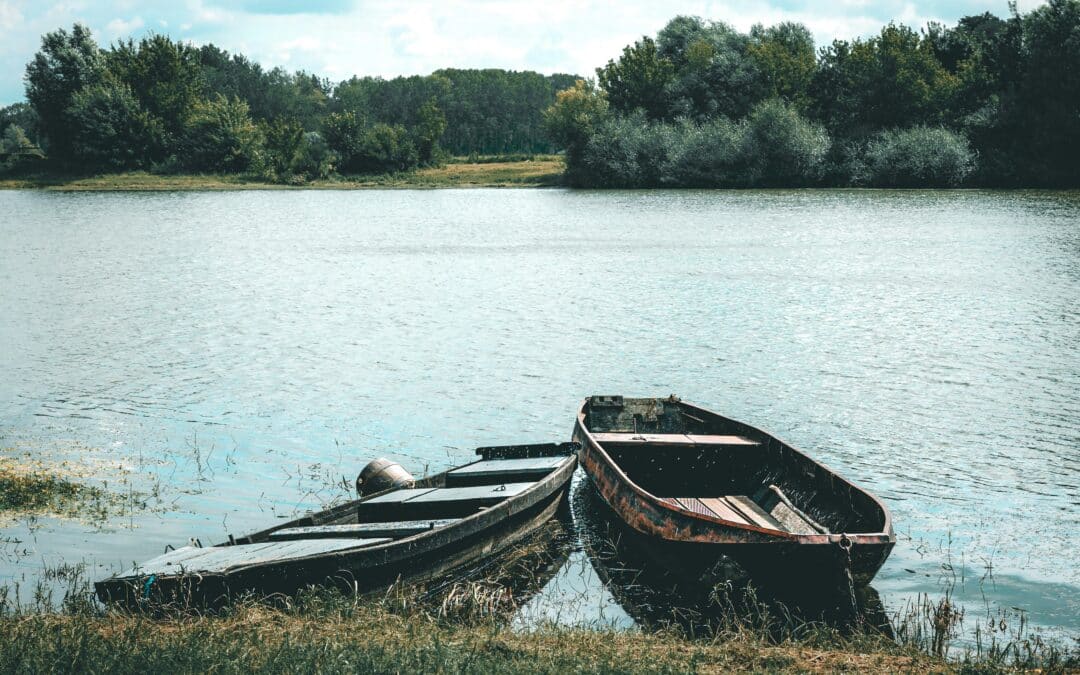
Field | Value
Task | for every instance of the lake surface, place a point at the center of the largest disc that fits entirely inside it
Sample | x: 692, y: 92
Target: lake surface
x: 227, y: 358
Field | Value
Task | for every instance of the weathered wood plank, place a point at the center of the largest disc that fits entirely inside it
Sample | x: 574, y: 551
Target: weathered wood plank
x: 527, y: 467
x: 721, y: 510
x: 219, y: 559
x: 754, y: 513
x: 673, y: 439
x: 394, y: 530
x: 488, y: 494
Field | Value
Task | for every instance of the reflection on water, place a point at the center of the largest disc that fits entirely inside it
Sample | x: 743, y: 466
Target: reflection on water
x: 621, y: 573
x: 228, y: 359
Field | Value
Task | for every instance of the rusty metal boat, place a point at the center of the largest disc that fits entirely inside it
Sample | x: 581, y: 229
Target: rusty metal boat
x: 400, y: 530
x: 700, y: 490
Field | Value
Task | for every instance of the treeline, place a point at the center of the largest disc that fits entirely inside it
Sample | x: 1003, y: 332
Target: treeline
x: 989, y: 101
x: 167, y: 106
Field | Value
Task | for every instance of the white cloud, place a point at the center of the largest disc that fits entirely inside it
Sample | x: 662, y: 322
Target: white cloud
x: 120, y: 28
x: 388, y: 38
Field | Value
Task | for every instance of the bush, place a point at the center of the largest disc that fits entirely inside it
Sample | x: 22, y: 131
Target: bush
x: 707, y: 155
x: 919, y: 157
x: 314, y: 158
x: 110, y: 130
x: 773, y: 146
x: 360, y: 148
x: 222, y: 137
x: 782, y: 148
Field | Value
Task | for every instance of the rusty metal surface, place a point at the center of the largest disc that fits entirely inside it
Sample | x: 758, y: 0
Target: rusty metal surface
x: 669, y: 520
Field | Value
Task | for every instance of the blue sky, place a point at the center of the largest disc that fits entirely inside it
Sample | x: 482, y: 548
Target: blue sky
x: 339, y: 38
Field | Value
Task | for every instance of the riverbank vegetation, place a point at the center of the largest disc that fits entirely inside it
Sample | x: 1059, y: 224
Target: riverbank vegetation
x: 464, y: 172
x: 987, y: 102
x: 462, y: 629
x: 170, y: 108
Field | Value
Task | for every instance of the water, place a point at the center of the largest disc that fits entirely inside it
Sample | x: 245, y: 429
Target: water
x: 230, y: 356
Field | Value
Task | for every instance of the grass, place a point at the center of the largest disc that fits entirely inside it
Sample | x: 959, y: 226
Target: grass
x: 538, y: 171
x: 460, y: 626
x: 29, y: 489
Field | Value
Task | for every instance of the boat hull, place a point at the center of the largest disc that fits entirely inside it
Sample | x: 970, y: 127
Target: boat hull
x: 361, y: 570
x: 700, y: 548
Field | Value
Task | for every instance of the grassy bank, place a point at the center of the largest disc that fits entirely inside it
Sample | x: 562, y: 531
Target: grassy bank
x: 328, y: 634
x: 539, y: 171
x: 320, y: 633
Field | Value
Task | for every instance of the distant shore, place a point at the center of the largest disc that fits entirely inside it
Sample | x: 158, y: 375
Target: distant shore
x: 539, y: 171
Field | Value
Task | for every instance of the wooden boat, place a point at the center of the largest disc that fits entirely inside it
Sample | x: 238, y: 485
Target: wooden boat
x: 702, y: 490
x: 412, y: 532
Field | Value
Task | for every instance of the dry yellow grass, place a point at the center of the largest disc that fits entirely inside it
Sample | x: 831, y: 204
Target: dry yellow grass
x: 542, y: 171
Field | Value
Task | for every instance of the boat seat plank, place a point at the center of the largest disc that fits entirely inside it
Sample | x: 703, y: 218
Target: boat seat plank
x: 753, y: 513
x: 483, y: 493
x: 220, y: 559
x: 673, y: 439
x: 527, y: 467
x: 721, y: 509
x: 393, y: 530
x: 397, y: 496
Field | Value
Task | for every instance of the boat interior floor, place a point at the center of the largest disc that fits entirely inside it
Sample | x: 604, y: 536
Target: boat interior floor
x: 769, y: 508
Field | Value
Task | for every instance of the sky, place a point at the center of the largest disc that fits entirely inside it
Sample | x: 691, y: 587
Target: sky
x: 341, y: 38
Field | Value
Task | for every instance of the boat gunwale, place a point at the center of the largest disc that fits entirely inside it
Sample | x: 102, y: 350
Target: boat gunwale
x: 410, y: 546
x: 885, y: 536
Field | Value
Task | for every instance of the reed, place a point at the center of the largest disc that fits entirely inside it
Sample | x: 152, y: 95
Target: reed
x: 462, y: 626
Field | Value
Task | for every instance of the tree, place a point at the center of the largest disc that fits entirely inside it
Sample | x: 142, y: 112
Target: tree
x: 637, y: 80
x: 429, y: 128
x: 283, y: 139
x: 221, y: 137
x: 891, y: 80
x: 110, y: 129
x: 66, y: 63
x: 715, y: 74
x: 573, y: 119
x: 784, y: 55
x: 165, y: 77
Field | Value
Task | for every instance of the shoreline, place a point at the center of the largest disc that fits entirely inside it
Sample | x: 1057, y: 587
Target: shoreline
x: 542, y: 171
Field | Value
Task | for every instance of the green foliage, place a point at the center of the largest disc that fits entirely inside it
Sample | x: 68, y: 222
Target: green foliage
x: 283, y: 139
x: 893, y: 79
x: 111, y: 130
x: 637, y: 80
x: 66, y: 63
x: 715, y: 72
x: 784, y: 55
x: 364, y: 148
x: 429, y: 128
x: 16, y: 149
x: 781, y: 148
x: 918, y: 157
x: 573, y: 119
x: 774, y: 145
x: 163, y: 75
x: 221, y: 137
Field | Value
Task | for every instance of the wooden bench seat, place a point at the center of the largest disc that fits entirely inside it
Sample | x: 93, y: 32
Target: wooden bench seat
x: 743, y: 510
x: 394, y: 530
x: 424, y: 503
x: 514, y: 470
x: 673, y: 439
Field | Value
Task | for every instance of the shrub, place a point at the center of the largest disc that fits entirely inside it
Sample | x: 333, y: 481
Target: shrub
x: 919, y: 157
x: 706, y: 155
x: 222, y: 137
x: 378, y: 148
x: 110, y: 130
x: 781, y: 147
